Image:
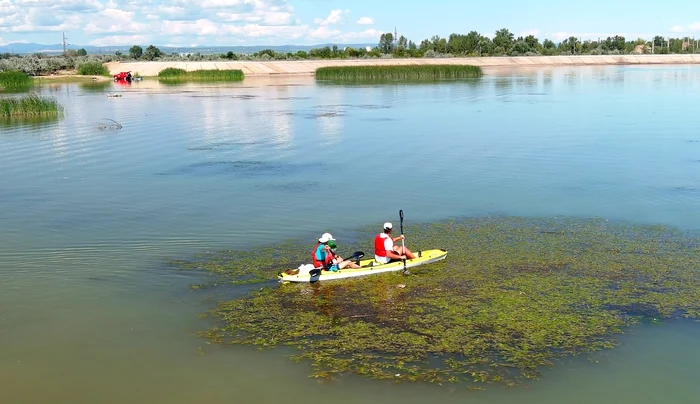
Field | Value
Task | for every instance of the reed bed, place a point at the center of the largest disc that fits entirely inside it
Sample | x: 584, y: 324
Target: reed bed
x: 93, y: 69
x: 14, y: 79
x: 408, y: 72
x: 30, y: 105
x: 173, y: 74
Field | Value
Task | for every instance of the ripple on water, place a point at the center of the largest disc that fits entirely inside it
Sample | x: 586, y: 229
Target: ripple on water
x: 247, y: 168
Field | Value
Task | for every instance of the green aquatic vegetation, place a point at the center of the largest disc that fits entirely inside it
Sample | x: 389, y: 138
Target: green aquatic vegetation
x: 179, y: 75
x: 514, y: 295
x: 403, y: 72
x: 14, y: 79
x: 30, y: 105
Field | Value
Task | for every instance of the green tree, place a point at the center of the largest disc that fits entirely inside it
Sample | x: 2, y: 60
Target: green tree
x: 386, y: 43
x: 659, y: 41
x: 571, y: 45
x: 82, y: 52
x: 118, y: 53
x: 352, y: 52
x: 135, y: 52
x: 152, y: 53
x: 403, y: 42
x: 533, y: 43
x: 503, y: 39
x: 471, y: 42
x: 321, y: 53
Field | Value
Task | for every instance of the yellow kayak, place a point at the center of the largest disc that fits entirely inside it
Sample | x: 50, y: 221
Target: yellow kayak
x: 367, y: 267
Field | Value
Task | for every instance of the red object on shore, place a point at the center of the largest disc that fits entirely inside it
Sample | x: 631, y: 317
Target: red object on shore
x: 126, y: 76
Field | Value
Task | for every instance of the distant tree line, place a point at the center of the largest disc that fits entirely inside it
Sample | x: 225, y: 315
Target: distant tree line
x: 503, y: 43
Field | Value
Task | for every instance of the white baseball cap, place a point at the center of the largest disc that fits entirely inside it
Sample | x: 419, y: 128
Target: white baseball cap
x: 388, y: 225
x: 326, y: 237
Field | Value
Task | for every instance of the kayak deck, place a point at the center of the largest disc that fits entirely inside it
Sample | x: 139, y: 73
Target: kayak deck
x: 367, y: 267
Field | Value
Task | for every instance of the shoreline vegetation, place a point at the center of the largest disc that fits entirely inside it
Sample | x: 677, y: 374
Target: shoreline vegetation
x: 390, y: 46
x: 514, y: 296
x: 30, y: 105
x: 417, y: 72
x: 180, y: 75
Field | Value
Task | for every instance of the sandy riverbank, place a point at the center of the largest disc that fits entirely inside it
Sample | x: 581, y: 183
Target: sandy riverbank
x: 308, y: 67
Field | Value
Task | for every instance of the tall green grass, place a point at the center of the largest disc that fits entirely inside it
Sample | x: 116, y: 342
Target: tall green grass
x: 93, y: 69
x: 30, y: 105
x: 173, y: 74
x: 14, y: 79
x: 404, y: 72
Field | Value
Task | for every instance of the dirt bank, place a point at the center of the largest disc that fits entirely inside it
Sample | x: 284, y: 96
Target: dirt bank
x: 308, y: 67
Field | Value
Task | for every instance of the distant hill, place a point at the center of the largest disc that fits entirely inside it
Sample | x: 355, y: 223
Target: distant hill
x: 29, y: 48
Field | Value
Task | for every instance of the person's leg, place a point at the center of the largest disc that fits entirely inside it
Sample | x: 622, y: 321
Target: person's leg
x: 348, y: 263
x: 404, y: 251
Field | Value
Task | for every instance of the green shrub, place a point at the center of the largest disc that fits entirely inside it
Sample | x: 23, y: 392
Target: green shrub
x: 93, y: 69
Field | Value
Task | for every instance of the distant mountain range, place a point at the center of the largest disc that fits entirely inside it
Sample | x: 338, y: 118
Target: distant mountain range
x: 28, y: 48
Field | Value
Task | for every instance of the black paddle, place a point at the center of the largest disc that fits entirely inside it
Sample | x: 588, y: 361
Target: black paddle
x: 403, y: 245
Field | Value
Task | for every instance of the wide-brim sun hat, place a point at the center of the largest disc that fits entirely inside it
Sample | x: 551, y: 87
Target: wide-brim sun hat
x: 326, y: 237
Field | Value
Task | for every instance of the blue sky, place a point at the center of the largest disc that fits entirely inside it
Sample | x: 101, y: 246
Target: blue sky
x: 280, y: 22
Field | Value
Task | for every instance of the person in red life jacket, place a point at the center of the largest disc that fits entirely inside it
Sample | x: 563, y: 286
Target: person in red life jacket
x: 324, y: 255
x: 384, y: 249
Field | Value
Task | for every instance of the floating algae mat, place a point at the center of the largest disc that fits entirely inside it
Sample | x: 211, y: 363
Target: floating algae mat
x: 513, y: 296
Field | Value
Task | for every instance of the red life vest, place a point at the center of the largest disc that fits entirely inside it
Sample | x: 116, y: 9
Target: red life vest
x: 321, y: 264
x: 379, y: 249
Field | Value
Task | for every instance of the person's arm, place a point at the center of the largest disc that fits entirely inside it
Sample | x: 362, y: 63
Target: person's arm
x: 401, y: 237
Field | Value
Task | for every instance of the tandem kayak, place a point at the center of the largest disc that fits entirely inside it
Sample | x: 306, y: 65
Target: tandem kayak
x: 367, y: 267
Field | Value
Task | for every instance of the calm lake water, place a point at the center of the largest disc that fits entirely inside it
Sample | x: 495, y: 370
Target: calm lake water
x: 89, y: 312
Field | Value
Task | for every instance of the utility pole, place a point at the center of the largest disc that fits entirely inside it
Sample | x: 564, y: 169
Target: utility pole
x: 64, y: 43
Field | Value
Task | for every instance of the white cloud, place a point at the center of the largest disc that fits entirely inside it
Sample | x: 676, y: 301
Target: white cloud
x: 333, y: 18
x: 183, y: 22
x: 560, y: 36
x: 368, y: 34
x: 677, y: 28
x: 694, y: 27
x: 323, y: 32
x: 119, y: 40
x: 116, y: 21
x: 533, y: 32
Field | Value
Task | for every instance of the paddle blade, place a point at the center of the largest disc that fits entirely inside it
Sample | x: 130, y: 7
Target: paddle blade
x: 356, y: 256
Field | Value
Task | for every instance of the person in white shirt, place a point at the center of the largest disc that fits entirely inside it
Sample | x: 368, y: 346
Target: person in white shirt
x: 384, y: 249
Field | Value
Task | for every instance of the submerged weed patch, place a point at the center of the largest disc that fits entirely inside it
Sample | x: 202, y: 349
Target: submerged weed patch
x: 512, y: 296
